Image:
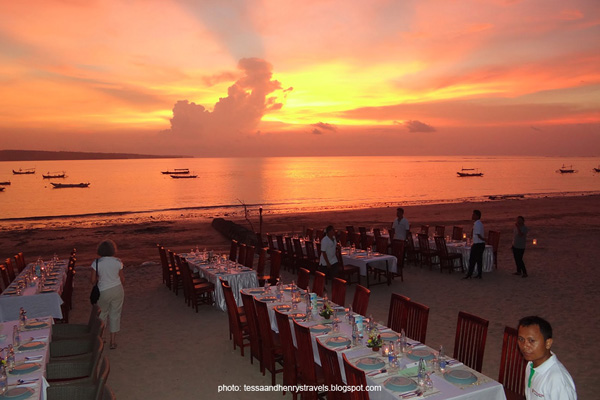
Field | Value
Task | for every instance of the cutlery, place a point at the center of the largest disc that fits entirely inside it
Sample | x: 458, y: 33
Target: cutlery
x: 414, y: 393
x: 34, y: 358
x: 25, y: 382
x: 377, y: 372
x: 344, y: 348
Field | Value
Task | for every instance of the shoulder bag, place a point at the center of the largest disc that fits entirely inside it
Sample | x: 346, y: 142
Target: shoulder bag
x: 95, y: 295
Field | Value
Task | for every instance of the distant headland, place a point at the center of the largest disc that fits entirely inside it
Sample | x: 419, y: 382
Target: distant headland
x: 39, y: 155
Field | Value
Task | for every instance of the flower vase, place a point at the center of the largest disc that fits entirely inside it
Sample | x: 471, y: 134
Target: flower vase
x: 327, y: 316
x: 375, y: 348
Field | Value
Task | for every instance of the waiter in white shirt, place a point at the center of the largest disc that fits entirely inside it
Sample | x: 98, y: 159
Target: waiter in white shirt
x: 329, y: 263
x: 478, y: 246
x: 400, y: 225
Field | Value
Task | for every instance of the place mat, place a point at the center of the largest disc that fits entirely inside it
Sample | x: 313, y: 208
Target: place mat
x: 370, y: 363
x: 267, y: 298
x: 283, y: 307
x: 338, y: 341
x: 389, y: 336
x: 36, y: 325
x: 22, y: 369
x: 417, y: 354
x: 360, y: 256
x: 18, y: 393
x: 48, y: 290
x: 254, y: 291
x: 320, y: 328
x: 297, y: 316
x: 399, y: 384
x: 34, y: 345
x: 460, y: 377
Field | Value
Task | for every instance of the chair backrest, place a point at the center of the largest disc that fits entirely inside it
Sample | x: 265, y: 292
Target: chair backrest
x: 350, y: 229
x: 172, y: 260
x: 107, y: 393
x: 319, y: 234
x: 254, y: 325
x: 289, y: 247
x: 262, y: 259
x: 164, y: 262
x: 249, y: 262
x: 331, y: 370
x: 342, y: 237
x: 303, y: 278
x: 355, y: 377
x: 259, y: 240
x: 362, y: 230
x: 423, y: 242
x: 319, y: 283
x: 21, y: 264
x: 311, y: 256
x: 440, y: 230
x: 425, y: 229
x: 10, y: 269
x: 512, y: 363
x: 309, y: 233
x: 242, y: 254
x: 382, y: 244
x: 494, y: 240
x: 287, y: 348
x: 440, y: 245
x: 417, y: 317
x: 232, y: 309
x: 469, y: 341
x: 186, y: 275
x: 5, y: 279
x: 275, y: 267
x: 397, y: 312
x: 361, y: 300
x: 354, y: 239
x: 101, y: 378
x: 457, y: 233
x: 304, y: 355
x: 270, y: 242
x: 398, y: 248
x: 233, y: 250
x: 298, y: 248
x: 280, y: 245
x: 410, y: 243
x: 338, y: 291
x: 376, y: 233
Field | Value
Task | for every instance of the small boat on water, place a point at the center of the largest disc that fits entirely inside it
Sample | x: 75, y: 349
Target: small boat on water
x: 184, y: 176
x: 595, y: 170
x: 6, y: 183
x: 466, y: 172
x: 176, y: 171
x: 52, y: 175
x: 566, y: 169
x: 26, y: 171
x: 1, y: 188
x: 69, y: 185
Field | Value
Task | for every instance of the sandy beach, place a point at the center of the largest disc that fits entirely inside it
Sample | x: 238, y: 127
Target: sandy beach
x: 167, y: 351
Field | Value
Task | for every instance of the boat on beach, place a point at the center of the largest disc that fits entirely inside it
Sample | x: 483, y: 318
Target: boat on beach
x: 176, y: 171
x: 69, y: 185
x: 26, y: 171
x: 566, y: 169
x: 184, y: 176
x: 1, y: 188
x: 52, y: 175
x: 6, y: 183
x: 466, y: 172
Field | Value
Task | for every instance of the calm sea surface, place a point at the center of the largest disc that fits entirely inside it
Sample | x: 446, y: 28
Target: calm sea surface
x: 280, y: 184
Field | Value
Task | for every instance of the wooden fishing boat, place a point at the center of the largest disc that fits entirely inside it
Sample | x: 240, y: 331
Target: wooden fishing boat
x: 184, y: 176
x: 595, y: 170
x: 26, y: 171
x: 6, y: 183
x: 52, y: 175
x: 466, y: 172
x: 1, y: 188
x: 69, y: 185
x: 566, y: 169
x: 176, y: 171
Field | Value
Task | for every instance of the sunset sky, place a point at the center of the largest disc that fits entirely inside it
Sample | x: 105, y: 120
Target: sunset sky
x: 269, y: 78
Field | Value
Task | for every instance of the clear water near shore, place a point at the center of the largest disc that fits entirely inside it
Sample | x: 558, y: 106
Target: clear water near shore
x: 121, y: 187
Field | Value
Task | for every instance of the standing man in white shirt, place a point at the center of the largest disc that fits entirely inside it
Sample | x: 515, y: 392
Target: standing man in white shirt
x: 329, y: 263
x: 478, y: 246
x: 400, y: 225
x: 545, y: 377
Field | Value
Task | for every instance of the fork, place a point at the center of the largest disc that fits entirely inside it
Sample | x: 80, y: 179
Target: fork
x: 414, y: 393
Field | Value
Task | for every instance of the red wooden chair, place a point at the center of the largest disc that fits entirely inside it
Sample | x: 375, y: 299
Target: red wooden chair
x: 417, y: 317
x: 354, y: 239
x: 312, y: 261
x: 301, y: 259
x: 176, y: 280
x: 303, y: 278
x: 290, y: 370
x: 199, y: 290
x: 19, y: 262
x: 397, y: 312
x: 309, y: 373
x: 382, y: 244
x: 238, y: 328
x: 249, y: 262
x: 512, y: 366
x: 350, y: 229
x: 10, y: 268
x: 347, y: 271
x: 242, y: 254
x: 412, y: 255
x: 469, y: 342
x: 281, y: 245
x: 270, y: 243
x: 166, y: 267
x: 331, y: 370
x: 5, y: 279
x: 260, y: 242
x: 319, y: 284
x: 355, y: 377
x: 447, y: 259
x: 494, y: 240
x: 338, y: 291
x: 440, y: 230
x: 427, y: 254
x: 233, y: 249
x: 253, y: 332
x: 319, y: 234
x: 275, y: 268
x: 457, y: 233
x: 271, y: 347
x: 342, y: 237
x: 361, y: 300
x: 398, y: 251
x: 424, y: 230
x: 310, y: 233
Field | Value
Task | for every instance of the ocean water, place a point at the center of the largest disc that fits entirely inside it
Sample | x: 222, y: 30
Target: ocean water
x: 279, y: 183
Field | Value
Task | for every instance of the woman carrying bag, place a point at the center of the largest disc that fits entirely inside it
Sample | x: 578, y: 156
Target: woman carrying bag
x: 107, y: 273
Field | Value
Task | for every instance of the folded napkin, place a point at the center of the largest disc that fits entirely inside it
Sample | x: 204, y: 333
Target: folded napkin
x: 411, y: 369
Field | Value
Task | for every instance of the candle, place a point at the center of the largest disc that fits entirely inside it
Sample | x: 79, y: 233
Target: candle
x: 534, y: 242
x: 464, y: 235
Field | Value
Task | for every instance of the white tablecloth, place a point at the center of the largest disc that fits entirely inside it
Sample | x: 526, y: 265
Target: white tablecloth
x: 377, y: 260
x: 36, y: 304
x: 465, y: 250
x: 238, y: 278
x: 42, y: 335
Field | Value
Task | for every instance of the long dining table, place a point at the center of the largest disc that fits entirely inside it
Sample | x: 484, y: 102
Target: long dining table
x: 387, y: 381
x: 237, y: 275
x: 38, y: 301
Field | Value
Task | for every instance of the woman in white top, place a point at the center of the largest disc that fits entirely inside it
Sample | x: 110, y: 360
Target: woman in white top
x: 109, y: 272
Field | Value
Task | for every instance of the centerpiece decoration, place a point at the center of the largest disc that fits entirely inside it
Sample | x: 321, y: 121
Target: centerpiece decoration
x: 326, y: 312
x: 375, y: 341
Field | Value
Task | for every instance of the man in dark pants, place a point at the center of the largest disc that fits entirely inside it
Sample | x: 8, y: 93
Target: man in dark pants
x: 518, y: 245
x: 329, y: 264
x: 478, y: 246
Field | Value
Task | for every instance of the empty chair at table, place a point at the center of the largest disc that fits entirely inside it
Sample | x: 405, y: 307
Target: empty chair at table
x: 331, y: 370
x: 303, y: 278
x: 301, y: 259
x: 447, y: 259
x: 233, y: 249
x: 360, y: 302
x: 290, y: 254
x: 70, y: 331
x: 397, y: 312
x: 5, y: 279
x: 176, y: 279
x: 457, y: 233
x: 398, y: 251
x: 275, y: 266
x: 272, y: 356
x: 347, y: 271
x: 238, y: 326
x: 310, y: 374
x: 424, y: 230
x: 319, y: 284
x: 241, y: 253
x: 382, y: 244
x: 342, y: 237
x: 338, y: 291
x: 166, y: 267
x: 290, y: 370
x: 427, y: 254
x: 493, y: 240
x: 412, y: 254
x: 271, y: 243
x: 355, y: 377
x: 20, y: 262
x: 417, y: 317
x: 512, y: 366
x: 249, y: 261
x: 91, y: 388
x: 309, y: 233
x: 312, y: 261
x: 469, y: 341
x: 199, y: 290
x: 440, y: 230
x: 10, y: 268
x: 78, y: 368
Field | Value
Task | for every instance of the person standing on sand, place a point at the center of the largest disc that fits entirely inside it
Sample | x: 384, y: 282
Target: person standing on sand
x: 107, y: 271
x: 545, y: 376
x: 478, y: 246
x: 329, y: 263
x: 518, y: 246
x: 400, y: 225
